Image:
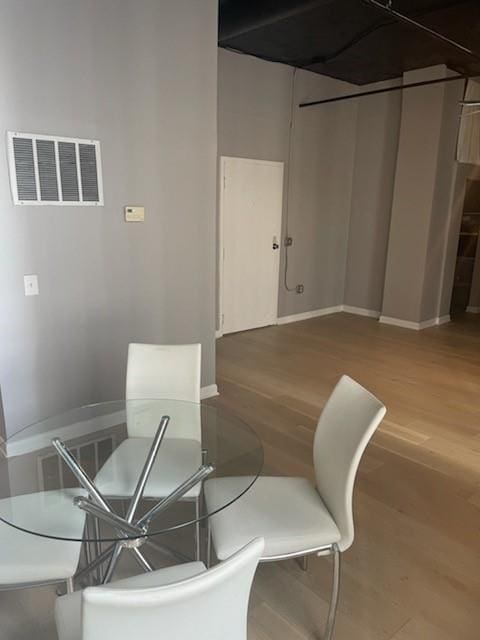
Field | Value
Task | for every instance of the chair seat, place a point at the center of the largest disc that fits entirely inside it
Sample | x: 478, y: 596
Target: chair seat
x: 26, y: 558
x: 287, y: 512
x: 177, y: 460
x: 68, y: 609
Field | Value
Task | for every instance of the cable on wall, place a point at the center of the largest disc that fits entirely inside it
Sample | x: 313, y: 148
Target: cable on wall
x: 291, y: 131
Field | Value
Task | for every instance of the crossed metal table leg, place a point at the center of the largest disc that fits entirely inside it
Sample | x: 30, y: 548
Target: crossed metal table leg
x: 132, y: 531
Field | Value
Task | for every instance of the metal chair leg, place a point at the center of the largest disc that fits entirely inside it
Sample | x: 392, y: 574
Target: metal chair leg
x: 117, y: 551
x: 209, y: 545
x: 86, y: 545
x: 70, y: 586
x: 197, y: 528
x: 332, y: 612
x: 141, y: 560
x: 98, y: 548
x: 303, y: 562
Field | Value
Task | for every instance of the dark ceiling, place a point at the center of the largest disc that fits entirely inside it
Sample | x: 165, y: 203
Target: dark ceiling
x: 350, y: 39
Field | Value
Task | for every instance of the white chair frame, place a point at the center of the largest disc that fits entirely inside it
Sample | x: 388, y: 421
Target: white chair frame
x: 145, y: 387
x: 341, y: 506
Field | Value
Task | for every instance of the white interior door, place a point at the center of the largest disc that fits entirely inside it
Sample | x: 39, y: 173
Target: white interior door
x: 251, y: 223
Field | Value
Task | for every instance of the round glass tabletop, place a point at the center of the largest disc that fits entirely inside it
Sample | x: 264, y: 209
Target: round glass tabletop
x: 123, y: 470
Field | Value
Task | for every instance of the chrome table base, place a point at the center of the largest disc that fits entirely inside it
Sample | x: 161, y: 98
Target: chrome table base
x: 132, y: 532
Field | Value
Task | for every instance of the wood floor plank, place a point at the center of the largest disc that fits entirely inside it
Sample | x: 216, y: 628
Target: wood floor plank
x: 419, y: 629
x: 413, y: 436
x: 267, y: 622
x: 414, y: 568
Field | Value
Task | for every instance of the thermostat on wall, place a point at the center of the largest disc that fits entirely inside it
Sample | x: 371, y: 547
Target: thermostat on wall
x: 134, y: 214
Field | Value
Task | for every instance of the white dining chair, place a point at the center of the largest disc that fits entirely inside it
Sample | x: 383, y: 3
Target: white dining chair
x: 28, y: 560
x: 184, y: 602
x: 170, y: 373
x: 295, y: 518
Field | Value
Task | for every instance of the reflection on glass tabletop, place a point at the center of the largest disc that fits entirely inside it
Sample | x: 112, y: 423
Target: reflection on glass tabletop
x: 137, y: 466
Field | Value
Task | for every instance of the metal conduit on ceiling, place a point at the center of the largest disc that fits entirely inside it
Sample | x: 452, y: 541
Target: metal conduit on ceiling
x: 358, y: 41
x: 417, y: 25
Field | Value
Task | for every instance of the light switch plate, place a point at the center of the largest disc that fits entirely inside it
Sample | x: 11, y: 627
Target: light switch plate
x: 30, y: 282
x: 134, y: 214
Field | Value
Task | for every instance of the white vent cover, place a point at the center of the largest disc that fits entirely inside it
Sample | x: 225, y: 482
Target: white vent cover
x: 50, y: 170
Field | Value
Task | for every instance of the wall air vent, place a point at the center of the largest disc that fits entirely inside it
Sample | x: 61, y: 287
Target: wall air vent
x: 52, y: 170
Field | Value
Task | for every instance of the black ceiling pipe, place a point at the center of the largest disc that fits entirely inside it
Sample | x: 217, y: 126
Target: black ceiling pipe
x: 374, y: 92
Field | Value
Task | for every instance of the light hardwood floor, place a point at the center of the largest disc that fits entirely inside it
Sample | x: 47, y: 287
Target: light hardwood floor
x: 413, y: 572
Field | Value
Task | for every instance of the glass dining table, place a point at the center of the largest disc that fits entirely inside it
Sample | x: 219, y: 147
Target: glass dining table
x: 133, y: 468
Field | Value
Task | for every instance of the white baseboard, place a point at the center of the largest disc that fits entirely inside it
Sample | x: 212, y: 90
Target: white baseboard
x: 397, y: 322
x: 426, y: 324
x: 209, y: 392
x: 416, y: 326
x: 367, y: 313
x: 306, y: 315
x: 359, y: 311
x: 218, y: 334
x: 473, y: 309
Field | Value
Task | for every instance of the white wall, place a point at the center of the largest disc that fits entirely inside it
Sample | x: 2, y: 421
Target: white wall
x: 141, y: 77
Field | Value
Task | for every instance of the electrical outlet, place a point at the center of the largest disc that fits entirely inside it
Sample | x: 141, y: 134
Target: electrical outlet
x: 299, y: 288
x: 288, y: 241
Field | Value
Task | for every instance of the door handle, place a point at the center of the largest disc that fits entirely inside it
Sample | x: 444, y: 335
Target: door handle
x: 275, y: 245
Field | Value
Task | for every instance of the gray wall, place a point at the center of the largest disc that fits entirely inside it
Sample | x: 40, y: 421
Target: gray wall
x: 141, y: 77
x: 378, y: 128
x: 319, y: 196
x: 254, y: 99
x: 373, y: 187
x: 409, y: 275
x: 341, y: 178
x: 253, y: 107
x: 253, y: 121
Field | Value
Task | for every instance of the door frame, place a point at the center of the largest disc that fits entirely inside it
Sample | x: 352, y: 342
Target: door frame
x: 221, y: 226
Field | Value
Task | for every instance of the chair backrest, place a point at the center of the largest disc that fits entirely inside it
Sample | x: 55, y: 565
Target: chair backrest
x: 348, y: 421
x: 210, y: 606
x: 143, y: 418
x: 169, y: 371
